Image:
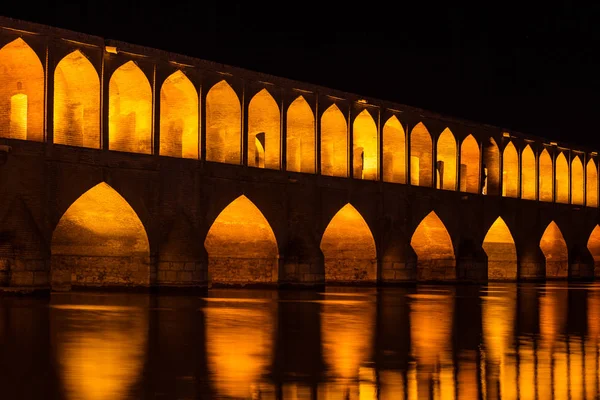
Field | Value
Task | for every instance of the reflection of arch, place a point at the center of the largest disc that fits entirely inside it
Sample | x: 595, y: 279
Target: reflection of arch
x: 593, y: 246
x: 491, y: 165
x: 469, y: 165
x: 300, y: 136
x: 446, y: 161
x: 130, y: 110
x: 546, y: 186
x: 365, y: 161
x: 178, y: 117
x: 528, y: 181
x: 562, y: 179
x: 349, y: 248
x: 264, y: 119
x: 76, y: 102
x: 510, y: 171
x: 394, y: 151
x: 334, y: 143
x: 555, y: 250
x: 435, y: 252
x: 223, y: 124
x: 591, y: 186
x: 576, y: 181
x: 100, y: 241
x: 21, y: 92
x: 420, y: 156
x: 241, y: 246
x: 501, y: 252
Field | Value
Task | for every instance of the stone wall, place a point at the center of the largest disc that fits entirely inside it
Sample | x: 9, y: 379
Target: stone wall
x: 242, y: 271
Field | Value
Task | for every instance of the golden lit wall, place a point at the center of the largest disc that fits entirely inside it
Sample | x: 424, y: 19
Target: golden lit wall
x: 546, y: 186
x: 510, y: 171
x: 223, y: 125
x: 469, y: 165
x: 349, y: 248
x: 562, y: 179
x: 577, y: 181
x: 491, y: 165
x: 435, y: 252
x: 528, y: 178
x: 501, y: 251
x: 130, y: 110
x: 241, y: 245
x: 334, y: 143
x: 179, y: 117
x: 421, y: 150
x: 593, y: 246
x: 365, y: 161
x: 446, y: 160
x: 76, y: 102
x: 394, y: 151
x: 300, y: 136
x: 21, y: 92
x: 264, y: 131
x: 591, y: 187
x: 555, y: 250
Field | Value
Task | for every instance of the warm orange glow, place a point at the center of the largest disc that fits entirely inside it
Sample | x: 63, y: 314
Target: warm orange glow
x: 241, y: 246
x: 435, y: 252
x: 562, y: 179
x: 421, y: 156
x: 76, y: 102
x: 467, y: 375
x: 300, y: 136
x: 365, y: 161
x: 510, y: 171
x: 528, y: 181
x: 555, y: 250
x: 394, y: 151
x: 130, y: 110
x: 553, y: 315
x: 526, y: 371
x: 264, y: 130
x: 178, y: 117
x: 334, y: 143
x: 391, y: 384
x: 575, y: 369
x: 576, y: 181
x: 501, y: 251
x: 469, y: 165
x: 491, y: 165
x: 446, y: 160
x: 223, y: 125
x: 593, y: 246
x: 21, y: 92
x: 591, y: 186
x: 546, y: 186
x: 349, y: 248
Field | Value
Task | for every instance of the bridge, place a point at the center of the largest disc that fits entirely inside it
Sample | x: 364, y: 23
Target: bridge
x: 129, y: 166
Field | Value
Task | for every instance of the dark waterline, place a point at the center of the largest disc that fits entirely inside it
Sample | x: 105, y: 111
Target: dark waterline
x: 504, y: 341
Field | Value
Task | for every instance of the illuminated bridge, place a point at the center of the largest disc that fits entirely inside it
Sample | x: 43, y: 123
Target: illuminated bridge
x: 130, y: 166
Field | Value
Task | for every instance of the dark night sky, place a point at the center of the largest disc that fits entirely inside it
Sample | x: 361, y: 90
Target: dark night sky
x: 533, y: 70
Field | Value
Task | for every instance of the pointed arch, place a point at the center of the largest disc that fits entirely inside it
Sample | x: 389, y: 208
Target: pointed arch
x: 469, y: 166
x: 528, y: 180
x: 546, y: 181
x: 562, y: 179
x: 223, y: 124
x: 300, y: 137
x: 100, y: 241
x: 241, y: 246
x: 76, y: 102
x: 593, y: 246
x: 421, y: 150
x: 365, y: 161
x: 510, y: 171
x: 130, y: 110
x: 21, y: 92
x: 264, y: 125
x: 446, y: 160
x: 591, y: 184
x: 435, y: 252
x: 349, y: 248
x: 334, y: 143
x: 179, y: 117
x: 555, y: 250
x: 394, y: 151
x: 491, y: 168
x: 577, y: 183
x: 501, y: 251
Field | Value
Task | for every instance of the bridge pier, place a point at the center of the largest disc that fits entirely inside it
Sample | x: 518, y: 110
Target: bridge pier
x: 531, y: 262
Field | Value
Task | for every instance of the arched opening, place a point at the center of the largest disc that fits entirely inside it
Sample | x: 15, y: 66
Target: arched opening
x: 241, y: 246
x: 394, y: 151
x: 491, y: 168
x: 593, y: 246
x: 223, y: 125
x: 555, y: 250
x: 365, y: 161
x: 421, y: 156
x: 510, y: 171
x: 349, y: 249
x: 591, y: 184
x: 300, y: 137
x: 435, y: 252
x: 130, y: 110
x: 334, y: 143
x: 446, y: 161
x: 76, y: 102
x: 100, y: 241
x: 469, y: 166
x: 501, y: 251
x: 562, y: 179
x: 528, y: 181
x: 577, y: 181
x: 264, y: 124
x: 546, y: 186
x: 21, y: 92
x: 178, y: 117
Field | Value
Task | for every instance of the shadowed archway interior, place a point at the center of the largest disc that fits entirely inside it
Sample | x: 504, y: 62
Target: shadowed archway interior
x: 501, y: 252
x: 435, y: 252
x: 555, y: 250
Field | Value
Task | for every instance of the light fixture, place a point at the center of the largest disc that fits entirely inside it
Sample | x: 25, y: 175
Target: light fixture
x: 111, y: 49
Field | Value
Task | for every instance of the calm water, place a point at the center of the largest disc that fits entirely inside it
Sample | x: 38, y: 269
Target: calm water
x: 492, y: 342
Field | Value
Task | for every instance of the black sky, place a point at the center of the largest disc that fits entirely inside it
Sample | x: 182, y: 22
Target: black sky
x: 532, y: 69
